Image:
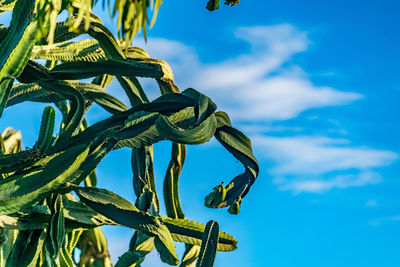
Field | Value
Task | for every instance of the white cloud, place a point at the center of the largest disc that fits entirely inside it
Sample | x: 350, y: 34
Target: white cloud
x: 318, y: 155
x: 380, y: 221
x: 319, y: 164
x: 322, y: 185
x: 259, y: 128
x: 271, y: 46
x: 259, y: 84
x: 282, y: 97
x: 371, y: 203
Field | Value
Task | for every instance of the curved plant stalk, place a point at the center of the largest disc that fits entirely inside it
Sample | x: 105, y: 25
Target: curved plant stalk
x: 171, y: 191
x: 240, y: 147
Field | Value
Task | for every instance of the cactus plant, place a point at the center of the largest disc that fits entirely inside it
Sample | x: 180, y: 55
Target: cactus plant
x: 41, y: 222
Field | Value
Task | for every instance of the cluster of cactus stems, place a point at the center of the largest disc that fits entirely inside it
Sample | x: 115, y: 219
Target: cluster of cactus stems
x: 41, y: 222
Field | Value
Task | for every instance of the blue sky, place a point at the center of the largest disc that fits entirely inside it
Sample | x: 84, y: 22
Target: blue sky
x: 315, y: 85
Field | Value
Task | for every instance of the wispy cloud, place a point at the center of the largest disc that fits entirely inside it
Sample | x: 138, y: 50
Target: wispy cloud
x: 258, y: 85
x: 319, y: 164
x: 318, y: 155
x: 320, y: 185
x: 380, y: 221
x: 371, y: 203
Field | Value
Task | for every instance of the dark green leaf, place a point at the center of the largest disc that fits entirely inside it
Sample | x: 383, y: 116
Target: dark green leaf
x: 128, y: 67
x: 142, y: 167
x: 19, y: 190
x: 26, y: 249
x: 196, y: 135
x: 56, y: 230
x: 191, y: 232
x: 209, y: 243
x: 212, y: 5
x: 127, y: 259
x: 46, y: 128
x: 124, y: 213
